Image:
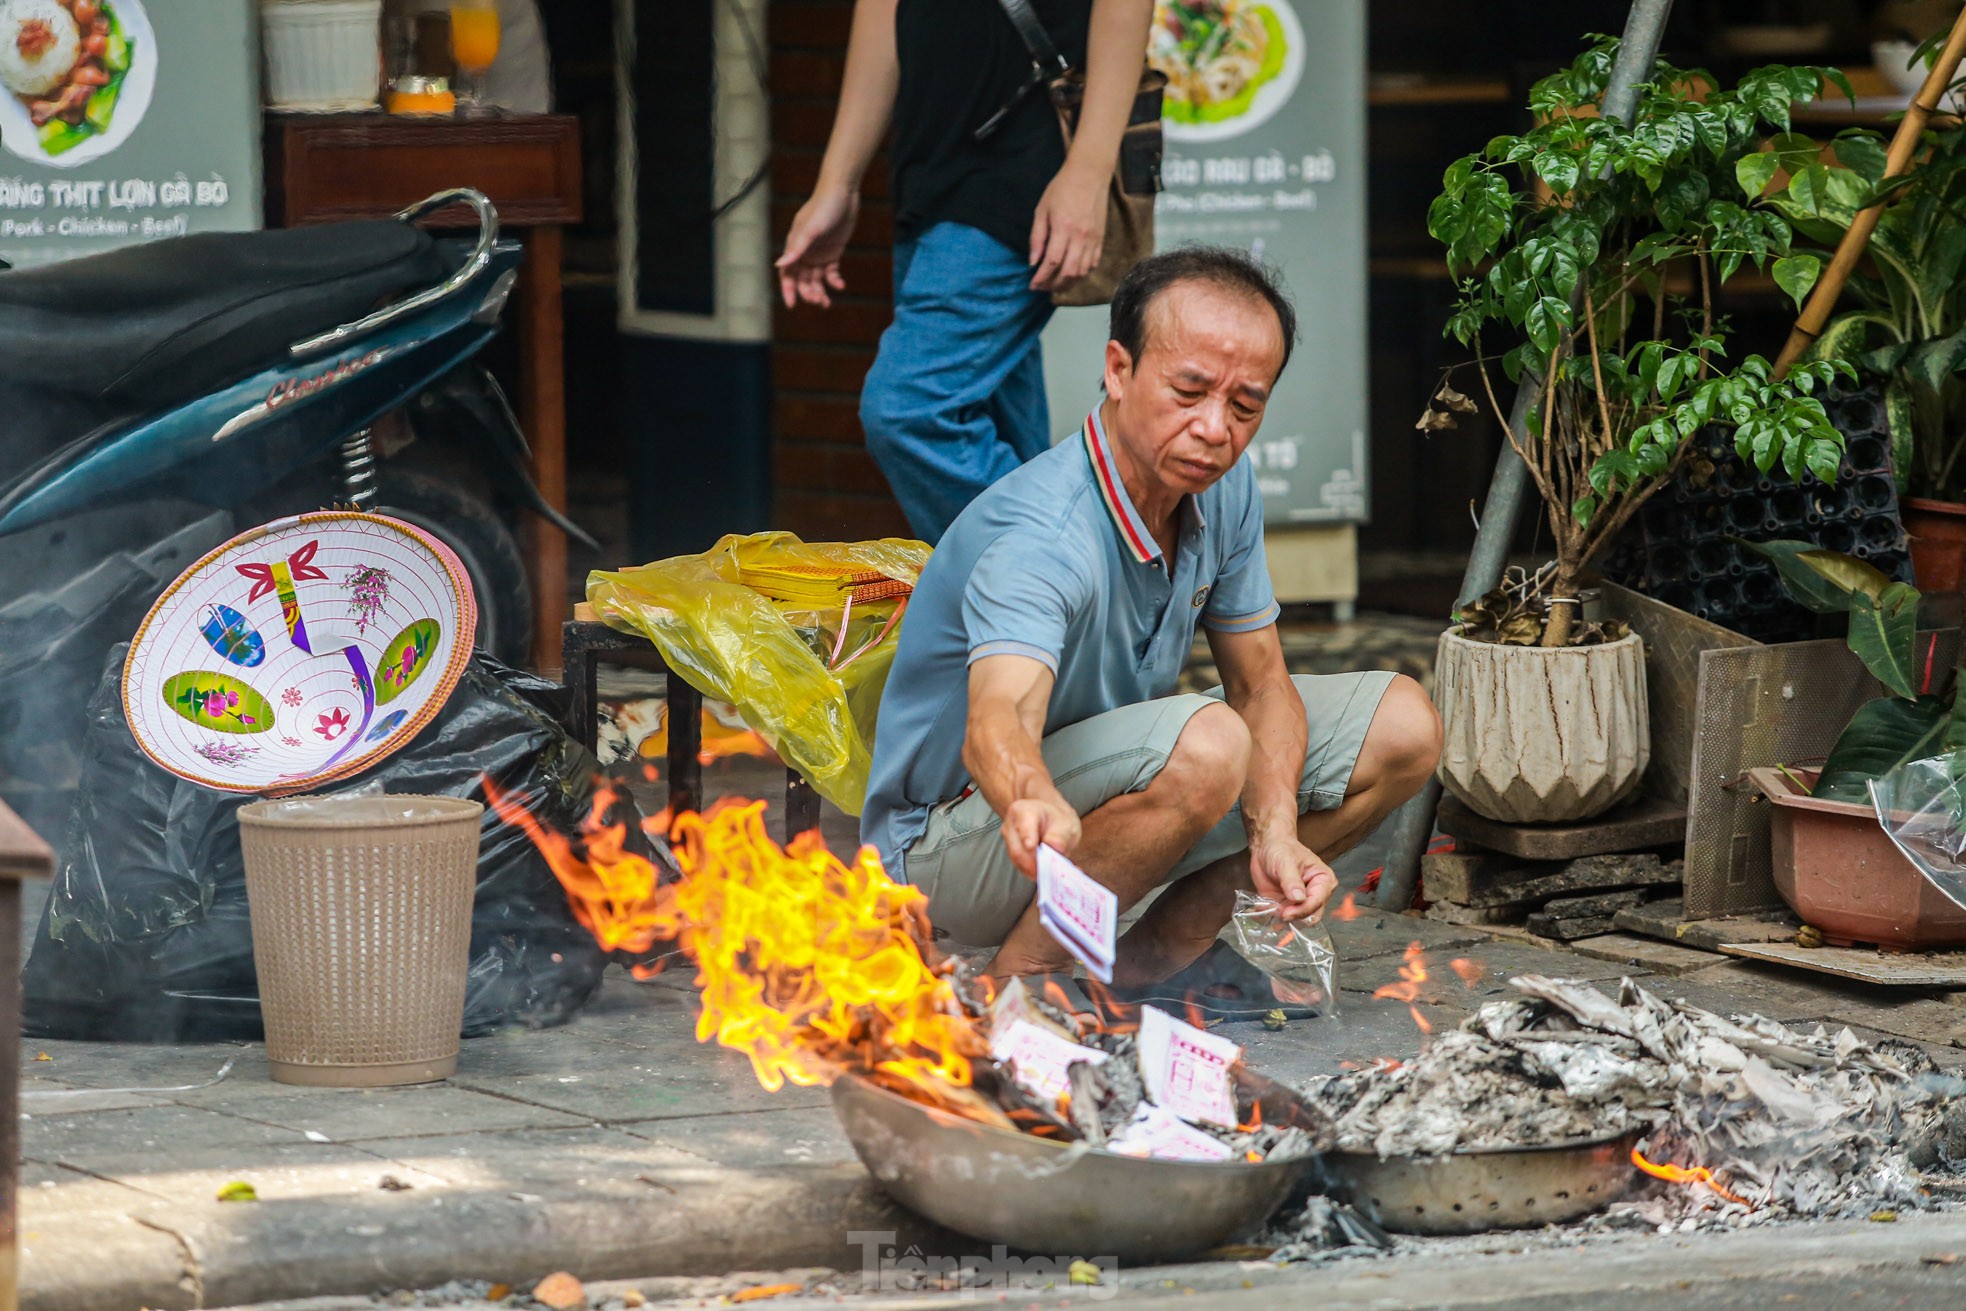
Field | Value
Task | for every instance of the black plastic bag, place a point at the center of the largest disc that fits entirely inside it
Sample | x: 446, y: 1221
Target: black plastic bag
x: 146, y: 936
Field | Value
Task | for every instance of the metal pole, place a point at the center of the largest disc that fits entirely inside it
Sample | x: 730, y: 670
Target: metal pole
x: 1413, y: 823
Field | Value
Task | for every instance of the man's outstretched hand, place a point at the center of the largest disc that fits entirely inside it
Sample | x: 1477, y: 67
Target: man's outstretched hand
x: 1028, y: 822
x: 809, y: 270
x: 1293, y: 876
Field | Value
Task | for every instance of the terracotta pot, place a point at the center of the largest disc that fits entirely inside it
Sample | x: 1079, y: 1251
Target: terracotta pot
x: 1837, y: 869
x: 1938, y: 542
x: 1538, y: 736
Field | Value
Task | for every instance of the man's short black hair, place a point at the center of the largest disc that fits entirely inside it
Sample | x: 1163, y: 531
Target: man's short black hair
x: 1218, y: 266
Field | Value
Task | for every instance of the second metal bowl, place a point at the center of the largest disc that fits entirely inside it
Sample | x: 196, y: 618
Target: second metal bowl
x: 1475, y: 1190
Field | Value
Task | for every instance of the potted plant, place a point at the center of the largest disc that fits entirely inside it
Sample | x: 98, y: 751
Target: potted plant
x: 1604, y: 243
x: 1832, y: 860
x: 1906, y: 330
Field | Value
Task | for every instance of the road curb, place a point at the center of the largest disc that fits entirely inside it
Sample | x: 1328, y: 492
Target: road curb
x: 715, y: 1221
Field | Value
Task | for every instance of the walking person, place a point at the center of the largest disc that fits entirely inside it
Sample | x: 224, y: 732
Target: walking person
x: 985, y: 230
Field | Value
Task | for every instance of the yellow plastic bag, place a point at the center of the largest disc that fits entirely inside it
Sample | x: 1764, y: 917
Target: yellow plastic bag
x: 798, y: 636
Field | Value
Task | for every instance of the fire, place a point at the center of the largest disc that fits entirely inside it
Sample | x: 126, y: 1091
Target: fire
x: 1412, y: 976
x: 809, y: 965
x: 1346, y: 909
x: 1471, y: 971
x: 1676, y: 1174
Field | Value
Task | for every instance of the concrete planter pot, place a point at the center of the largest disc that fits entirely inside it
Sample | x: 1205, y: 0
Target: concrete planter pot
x: 1537, y: 736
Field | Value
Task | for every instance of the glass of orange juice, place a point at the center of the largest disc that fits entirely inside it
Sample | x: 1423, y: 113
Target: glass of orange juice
x: 474, y: 45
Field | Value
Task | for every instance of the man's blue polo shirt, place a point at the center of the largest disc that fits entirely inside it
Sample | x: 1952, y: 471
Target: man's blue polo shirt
x: 1053, y: 562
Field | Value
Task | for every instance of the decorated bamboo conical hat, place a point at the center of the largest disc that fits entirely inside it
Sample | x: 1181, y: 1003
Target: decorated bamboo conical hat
x: 299, y: 652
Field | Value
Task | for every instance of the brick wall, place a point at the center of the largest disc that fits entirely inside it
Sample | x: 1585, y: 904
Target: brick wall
x: 825, y: 486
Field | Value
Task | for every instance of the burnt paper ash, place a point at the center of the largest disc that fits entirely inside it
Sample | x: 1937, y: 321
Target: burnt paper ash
x: 1792, y: 1122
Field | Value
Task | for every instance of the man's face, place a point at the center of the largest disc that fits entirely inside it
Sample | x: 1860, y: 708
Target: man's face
x: 1184, y: 411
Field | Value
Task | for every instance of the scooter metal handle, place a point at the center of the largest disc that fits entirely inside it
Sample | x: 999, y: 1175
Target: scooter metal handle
x: 480, y: 259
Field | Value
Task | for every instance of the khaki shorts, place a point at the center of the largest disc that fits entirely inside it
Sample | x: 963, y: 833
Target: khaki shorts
x: 975, y: 894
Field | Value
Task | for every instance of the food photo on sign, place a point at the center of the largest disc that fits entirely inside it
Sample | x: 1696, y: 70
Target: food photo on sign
x: 78, y: 75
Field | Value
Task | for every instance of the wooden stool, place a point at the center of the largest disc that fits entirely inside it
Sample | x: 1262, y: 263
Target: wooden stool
x: 586, y: 643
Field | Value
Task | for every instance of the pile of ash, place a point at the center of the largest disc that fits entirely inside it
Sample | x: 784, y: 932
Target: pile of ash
x: 1791, y: 1123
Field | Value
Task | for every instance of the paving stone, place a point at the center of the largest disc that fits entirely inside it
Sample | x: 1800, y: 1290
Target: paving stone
x: 1490, y: 966
x: 1666, y: 920
x: 1563, y: 930
x: 1740, y: 987
x: 1358, y: 1031
x: 1644, y: 953
x: 1922, y: 1020
x: 1634, y: 826
x: 758, y: 1140
x: 429, y: 1109
x: 1595, y: 903
x: 47, y: 1188
x: 169, y: 1130
x: 1542, y: 881
x: 1447, y: 912
x: 277, y: 1172
x: 546, y: 1162
x: 1377, y: 933
x: 1463, y: 876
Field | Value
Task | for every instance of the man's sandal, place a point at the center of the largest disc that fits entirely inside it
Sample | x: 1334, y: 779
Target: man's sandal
x: 1221, y: 985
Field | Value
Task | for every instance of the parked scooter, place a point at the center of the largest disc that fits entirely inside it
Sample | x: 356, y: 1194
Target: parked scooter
x: 157, y: 399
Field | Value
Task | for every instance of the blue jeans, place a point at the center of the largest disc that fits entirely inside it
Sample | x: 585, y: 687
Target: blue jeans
x: 955, y: 399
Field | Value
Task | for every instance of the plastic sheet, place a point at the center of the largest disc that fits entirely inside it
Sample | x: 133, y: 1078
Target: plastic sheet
x: 1299, y: 958
x: 798, y: 636
x: 146, y: 936
x: 1922, y: 807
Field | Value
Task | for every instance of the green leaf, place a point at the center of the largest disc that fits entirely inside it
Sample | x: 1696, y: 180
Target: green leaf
x: 1796, y: 274
x: 1808, y: 586
x: 1582, y: 509
x: 1934, y: 362
x: 1904, y: 441
x: 1847, y: 335
x: 1754, y: 172
x: 1546, y: 322
x: 1882, y: 735
x: 1861, y: 152
x: 1883, y: 632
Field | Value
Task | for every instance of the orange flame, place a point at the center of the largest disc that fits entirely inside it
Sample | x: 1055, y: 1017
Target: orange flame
x: 716, y: 740
x: 811, y: 966
x: 1346, y: 909
x: 1471, y: 971
x: 1676, y: 1174
x: 1412, y: 975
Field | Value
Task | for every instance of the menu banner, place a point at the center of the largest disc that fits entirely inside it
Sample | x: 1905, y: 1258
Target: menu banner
x: 124, y: 121
x: 1265, y: 149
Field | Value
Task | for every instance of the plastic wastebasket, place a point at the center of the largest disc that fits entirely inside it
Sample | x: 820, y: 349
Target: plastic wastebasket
x: 361, y: 915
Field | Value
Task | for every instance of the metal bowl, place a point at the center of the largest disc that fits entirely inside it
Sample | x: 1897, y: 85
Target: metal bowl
x: 1478, y: 1189
x: 1050, y: 1198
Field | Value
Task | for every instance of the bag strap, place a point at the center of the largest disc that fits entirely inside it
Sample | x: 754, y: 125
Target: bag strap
x: 1036, y: 40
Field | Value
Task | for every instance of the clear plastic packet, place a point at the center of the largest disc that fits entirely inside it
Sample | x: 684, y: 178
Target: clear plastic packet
x: 1299, y: 958
x: 1921, y: 805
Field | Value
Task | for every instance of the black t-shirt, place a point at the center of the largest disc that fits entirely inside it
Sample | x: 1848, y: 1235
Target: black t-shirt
x: 960, y: 61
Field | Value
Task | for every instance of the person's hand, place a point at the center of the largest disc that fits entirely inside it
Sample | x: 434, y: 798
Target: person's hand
x: 1031, y: 821
x: 1069, y: 230
x: 810, y: 265
x: 1293, y: 876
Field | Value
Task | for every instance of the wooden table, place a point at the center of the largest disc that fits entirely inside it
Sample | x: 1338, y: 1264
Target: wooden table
x: 325, y: 168
x: 22, y: 856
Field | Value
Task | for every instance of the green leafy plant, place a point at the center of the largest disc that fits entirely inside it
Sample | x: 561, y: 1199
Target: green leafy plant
x: 1907, y: 330
x: 1911, y: 723
x: 1604, y: 276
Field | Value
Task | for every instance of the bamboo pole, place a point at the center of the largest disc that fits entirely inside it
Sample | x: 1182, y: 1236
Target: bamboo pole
x: 1815, y: 315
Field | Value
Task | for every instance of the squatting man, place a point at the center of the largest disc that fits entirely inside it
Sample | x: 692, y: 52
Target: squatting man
x: 1032, y: 698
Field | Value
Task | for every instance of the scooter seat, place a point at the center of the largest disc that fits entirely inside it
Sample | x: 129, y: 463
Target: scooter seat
x: 139, y: 330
